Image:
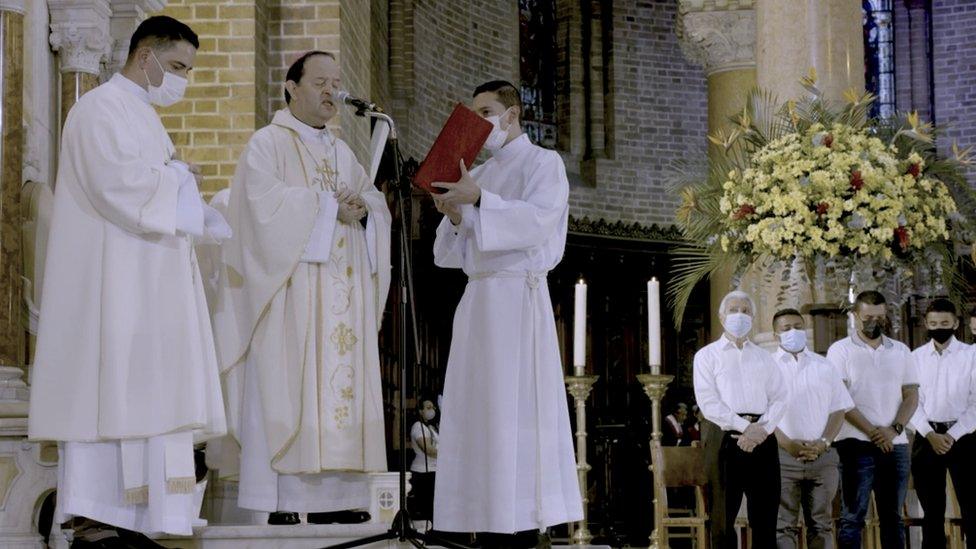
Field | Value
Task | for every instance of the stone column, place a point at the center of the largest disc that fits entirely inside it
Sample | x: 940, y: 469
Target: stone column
x: 919, y: 35
x: 793, y: 36
x: 80, y: 35
x: 722, y: 41
x: 23, y: 481
x: 12, y: 326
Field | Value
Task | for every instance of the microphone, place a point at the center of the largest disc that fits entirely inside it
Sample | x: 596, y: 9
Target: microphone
x: 360, y: 104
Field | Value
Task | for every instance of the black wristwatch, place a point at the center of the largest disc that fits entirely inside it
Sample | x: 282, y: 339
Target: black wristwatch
x: 898, y: 427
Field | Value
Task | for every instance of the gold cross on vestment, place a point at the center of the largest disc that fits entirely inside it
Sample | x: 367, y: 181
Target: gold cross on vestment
x: 328, y: 175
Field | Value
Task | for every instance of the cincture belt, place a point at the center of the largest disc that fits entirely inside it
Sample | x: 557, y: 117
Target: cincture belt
x: 751, y: 418
x: 941, y: 427
x: 532, y: 278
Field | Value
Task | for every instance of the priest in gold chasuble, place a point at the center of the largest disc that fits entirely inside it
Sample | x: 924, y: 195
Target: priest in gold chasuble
x: 300, y: 306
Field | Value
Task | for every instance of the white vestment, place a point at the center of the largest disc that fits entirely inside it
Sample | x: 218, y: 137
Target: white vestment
x: 125, y: 375
x: 505, y: 461
x: 297, y: 322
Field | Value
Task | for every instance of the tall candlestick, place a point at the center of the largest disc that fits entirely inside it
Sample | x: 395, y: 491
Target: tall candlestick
x: 654, y: 325
x: 579, y: 330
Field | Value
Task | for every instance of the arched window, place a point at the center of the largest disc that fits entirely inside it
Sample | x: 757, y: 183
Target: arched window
x: 879, y: 55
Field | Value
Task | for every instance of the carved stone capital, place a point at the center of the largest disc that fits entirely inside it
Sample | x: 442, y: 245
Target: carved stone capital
x: 16, y: 6
x: 80, y: 33
x: 718, y: 40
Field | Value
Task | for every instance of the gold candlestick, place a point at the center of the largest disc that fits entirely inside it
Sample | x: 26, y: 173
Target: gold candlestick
x: 579, y: 387
x: 654, y: 387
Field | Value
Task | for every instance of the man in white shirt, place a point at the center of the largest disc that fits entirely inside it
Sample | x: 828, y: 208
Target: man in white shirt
x: 944, y: 423
x: 743, y: 396
x: 881, y: 376
x: 814, y: 414
x: 505, y: 463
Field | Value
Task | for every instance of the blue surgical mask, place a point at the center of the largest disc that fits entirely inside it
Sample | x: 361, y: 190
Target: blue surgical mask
x: 738, y: 324
x: 793, y: 341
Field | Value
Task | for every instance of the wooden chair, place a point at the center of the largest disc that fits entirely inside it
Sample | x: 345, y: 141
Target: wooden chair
x: 684, y: 467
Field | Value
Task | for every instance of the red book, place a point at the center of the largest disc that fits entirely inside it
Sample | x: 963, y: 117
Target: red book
x: 462, y: 136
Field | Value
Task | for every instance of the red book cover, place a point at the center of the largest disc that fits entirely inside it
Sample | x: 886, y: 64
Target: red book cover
x: 462, y: 136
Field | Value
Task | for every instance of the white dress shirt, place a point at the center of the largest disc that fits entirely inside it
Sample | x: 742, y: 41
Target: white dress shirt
x: 816, y: 391
x: 730, y: 381
x: 947, y: 390
x: 875, y: 378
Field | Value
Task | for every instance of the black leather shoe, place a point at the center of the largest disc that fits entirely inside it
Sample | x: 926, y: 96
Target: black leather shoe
x: 283, y: 518
x: 339, y: 517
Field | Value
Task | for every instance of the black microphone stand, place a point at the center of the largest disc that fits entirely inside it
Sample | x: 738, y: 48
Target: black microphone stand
x: 402, y: 528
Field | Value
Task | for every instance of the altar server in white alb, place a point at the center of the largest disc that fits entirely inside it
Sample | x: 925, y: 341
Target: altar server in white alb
x: 125, y: 377
x: 299, y: 311
x: 505, y: 462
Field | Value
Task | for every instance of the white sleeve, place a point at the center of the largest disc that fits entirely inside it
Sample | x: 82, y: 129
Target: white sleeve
x: 709, y: 401
x: 451, y: 239
x: 499, y: 224
x: 319, y: 245
x: 189, y: 206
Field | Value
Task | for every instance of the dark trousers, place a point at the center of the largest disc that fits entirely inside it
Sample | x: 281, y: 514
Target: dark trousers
x: 421, y: 495
x: 863, y: 468
x: 733, y: 473
x: 929, y: 471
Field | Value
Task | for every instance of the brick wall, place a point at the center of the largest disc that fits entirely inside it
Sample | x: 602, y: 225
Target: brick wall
x: 446, y: 49
x: 660, y: 114
x: 211, y: 126
x: 954, y: 54
x: 418, y: 58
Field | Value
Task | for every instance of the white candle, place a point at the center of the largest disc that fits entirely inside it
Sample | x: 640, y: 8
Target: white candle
x: 579, y: 330
x: 654, y: 325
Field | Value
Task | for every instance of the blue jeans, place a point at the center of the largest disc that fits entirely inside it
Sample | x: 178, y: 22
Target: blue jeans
x: 863, y: 468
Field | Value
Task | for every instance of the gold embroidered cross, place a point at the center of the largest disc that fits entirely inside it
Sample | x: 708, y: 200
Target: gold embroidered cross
x: 328, y: 175
x: 344, y: 338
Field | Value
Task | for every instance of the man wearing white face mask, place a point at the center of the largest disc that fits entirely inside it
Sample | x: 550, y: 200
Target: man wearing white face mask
x: 743, y: 396
x: 505, y: 226
x: 814, y: 415
x: 125, y: 377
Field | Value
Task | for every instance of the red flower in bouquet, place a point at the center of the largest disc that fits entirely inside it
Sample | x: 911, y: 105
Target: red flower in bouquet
x: 743, y: 211
x: 822, y: 208
x: 901, y: 236
x: 914, y: 169
x: 828, y: 140
x: 857, y: 182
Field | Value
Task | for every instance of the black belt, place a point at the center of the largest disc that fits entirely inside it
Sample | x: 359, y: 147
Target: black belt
x: 751, y: 418
x: 941, y: 427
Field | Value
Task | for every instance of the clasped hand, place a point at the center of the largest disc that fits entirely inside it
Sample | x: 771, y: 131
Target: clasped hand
x: 351, y: 206
x: 753, y: 436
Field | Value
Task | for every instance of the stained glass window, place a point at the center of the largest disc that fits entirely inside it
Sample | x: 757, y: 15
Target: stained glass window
x: 879, y: 55
x: 537, y: 57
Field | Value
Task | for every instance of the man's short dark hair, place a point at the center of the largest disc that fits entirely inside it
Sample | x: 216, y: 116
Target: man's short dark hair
x: 297, y: 69
x: 869, y: 297
x: 941, y: 305
x: 508, y: 95
x: 162, y: 32
x: 785, y: 312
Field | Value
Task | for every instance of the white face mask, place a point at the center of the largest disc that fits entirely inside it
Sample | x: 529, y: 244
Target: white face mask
x: 738, y: 324
x: 793, y: 341
x: 496, y: 139
x: 428, y: 414
x: 169, y: 91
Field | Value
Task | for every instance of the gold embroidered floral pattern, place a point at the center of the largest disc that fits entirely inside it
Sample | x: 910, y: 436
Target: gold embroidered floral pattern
x: 343, y: 338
